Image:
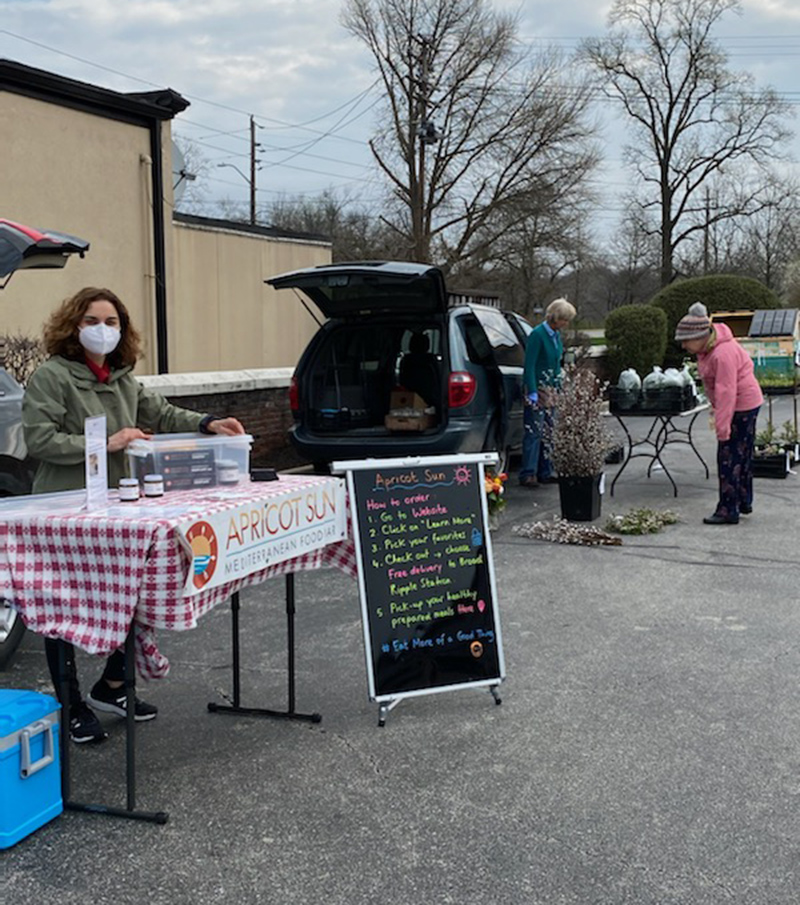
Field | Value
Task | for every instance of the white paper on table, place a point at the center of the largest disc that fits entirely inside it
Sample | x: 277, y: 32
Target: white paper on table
x: 96, y: 461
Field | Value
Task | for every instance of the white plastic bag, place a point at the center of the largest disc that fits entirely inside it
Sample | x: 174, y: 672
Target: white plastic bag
x: 672, y: 378
x: 629, y: 380
x: 654, y: 380
x: 688, y: 380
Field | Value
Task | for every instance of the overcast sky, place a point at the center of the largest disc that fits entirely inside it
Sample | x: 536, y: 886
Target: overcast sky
x: 309, y: 84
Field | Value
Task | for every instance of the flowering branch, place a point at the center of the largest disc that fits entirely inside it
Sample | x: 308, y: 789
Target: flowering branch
x: 578, y: 438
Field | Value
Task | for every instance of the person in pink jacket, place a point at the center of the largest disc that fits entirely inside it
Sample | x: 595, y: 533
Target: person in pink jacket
x: 735, y: 396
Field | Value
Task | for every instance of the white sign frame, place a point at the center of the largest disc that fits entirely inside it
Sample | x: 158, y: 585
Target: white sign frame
x: 348, y: 467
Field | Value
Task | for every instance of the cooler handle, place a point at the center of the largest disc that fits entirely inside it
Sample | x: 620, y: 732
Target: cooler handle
x: 26, y: 767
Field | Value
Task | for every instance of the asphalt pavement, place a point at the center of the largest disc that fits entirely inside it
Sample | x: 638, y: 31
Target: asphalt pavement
x: 647, y: 749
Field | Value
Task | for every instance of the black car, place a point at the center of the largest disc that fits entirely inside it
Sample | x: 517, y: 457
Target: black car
x: 391, y: 326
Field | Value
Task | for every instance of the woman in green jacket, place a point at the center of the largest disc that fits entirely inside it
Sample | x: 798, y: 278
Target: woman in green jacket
x: 93, y: 348
x: 543, y: 353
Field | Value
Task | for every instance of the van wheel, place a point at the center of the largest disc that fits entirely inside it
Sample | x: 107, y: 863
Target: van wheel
x: 13, y: 628
x: 504, y: 462
x: 492, y: 444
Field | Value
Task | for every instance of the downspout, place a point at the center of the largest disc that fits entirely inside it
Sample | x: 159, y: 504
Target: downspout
x: 159, y: 247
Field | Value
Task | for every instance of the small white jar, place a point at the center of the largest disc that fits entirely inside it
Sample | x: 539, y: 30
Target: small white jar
x: 227, y: 471
x: 153, y: 485
x: 128, y: 490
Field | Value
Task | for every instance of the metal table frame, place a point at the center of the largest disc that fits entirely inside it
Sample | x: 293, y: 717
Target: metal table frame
x: 161, y: 817
x: 662, y: 433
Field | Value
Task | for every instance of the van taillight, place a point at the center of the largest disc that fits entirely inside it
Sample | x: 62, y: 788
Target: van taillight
x: 294, y: 394
x: 460, y: 389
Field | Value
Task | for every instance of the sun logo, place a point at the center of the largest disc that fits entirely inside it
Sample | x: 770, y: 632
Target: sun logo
x: 203, y: 542
x: 462, y: 474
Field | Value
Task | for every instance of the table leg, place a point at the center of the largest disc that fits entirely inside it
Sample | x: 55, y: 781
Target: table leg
x: 63, y: 694
x: 130, y: 811
x: 662, y: 438
x: 628, y: 451
x: 290, y: 713
x: 690, y: 441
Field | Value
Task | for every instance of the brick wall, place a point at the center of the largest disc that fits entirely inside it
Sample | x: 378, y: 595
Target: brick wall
x: 263, y: 410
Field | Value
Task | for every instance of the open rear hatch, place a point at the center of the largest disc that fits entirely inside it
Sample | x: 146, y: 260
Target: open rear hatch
x: 348, y: 290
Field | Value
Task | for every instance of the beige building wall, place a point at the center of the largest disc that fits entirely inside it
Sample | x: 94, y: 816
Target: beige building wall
x: 223, y: 316
x: 83, y: 174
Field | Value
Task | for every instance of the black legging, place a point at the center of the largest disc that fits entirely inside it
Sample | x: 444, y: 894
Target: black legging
x: 113, y: 672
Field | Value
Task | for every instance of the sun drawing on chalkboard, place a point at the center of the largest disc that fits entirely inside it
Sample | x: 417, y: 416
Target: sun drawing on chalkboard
x: 462, y: 474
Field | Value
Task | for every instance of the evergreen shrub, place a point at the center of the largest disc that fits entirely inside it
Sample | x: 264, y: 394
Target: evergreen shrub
x: 719, y: 292
x: 636, y: 337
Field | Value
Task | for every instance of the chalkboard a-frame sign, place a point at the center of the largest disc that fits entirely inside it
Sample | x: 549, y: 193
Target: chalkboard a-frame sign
x: 425, y: 575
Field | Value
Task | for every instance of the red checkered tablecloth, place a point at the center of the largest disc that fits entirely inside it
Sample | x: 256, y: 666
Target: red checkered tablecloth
x: 85, y: 577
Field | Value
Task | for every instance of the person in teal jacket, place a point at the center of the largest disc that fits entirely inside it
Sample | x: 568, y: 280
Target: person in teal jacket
x: 93, y: 348
x: 543, y: 353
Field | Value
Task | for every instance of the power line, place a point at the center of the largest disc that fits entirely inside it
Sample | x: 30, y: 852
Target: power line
x: 281, y: 123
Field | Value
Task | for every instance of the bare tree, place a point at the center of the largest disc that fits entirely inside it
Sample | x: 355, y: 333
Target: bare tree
x: 477, y: 138
x: 356, y: 233
x: 693, y: 116
x: 790, y: 284
x: 771, y: 239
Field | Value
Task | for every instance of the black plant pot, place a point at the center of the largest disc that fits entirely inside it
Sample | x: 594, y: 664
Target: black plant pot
x: 580, y: 498
x: 774, y: 466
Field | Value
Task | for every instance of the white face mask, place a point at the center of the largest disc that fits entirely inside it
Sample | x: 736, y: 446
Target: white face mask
x: 99, y: 338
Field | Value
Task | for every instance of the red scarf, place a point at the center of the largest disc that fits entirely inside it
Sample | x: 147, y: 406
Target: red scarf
x: 101, y: 372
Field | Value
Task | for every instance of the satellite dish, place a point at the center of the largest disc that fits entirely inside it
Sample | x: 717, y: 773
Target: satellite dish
x: 180, y: 176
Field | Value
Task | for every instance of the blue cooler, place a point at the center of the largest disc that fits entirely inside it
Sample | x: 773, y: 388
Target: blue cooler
x: 30, y: 775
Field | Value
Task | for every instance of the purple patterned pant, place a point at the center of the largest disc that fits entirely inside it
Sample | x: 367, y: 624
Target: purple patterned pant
x: 735, y: 465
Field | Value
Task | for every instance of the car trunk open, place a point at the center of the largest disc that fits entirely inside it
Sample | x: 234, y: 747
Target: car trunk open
x: 354, y: 371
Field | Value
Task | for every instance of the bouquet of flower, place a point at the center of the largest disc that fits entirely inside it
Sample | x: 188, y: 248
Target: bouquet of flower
x: 493, y: 485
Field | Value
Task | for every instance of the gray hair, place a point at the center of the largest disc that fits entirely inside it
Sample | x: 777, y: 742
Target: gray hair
x: 558, y: 310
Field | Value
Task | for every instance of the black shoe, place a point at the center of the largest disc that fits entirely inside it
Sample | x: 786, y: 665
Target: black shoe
x: 84, y: 727
x: 716, y: 520
x: 531, y: 483
x: 745, y: 510
x: 113, y: 700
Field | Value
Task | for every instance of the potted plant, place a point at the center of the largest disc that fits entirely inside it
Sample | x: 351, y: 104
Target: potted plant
x: 790, y: 439
x: 771, y: 459
x: 579, y: 443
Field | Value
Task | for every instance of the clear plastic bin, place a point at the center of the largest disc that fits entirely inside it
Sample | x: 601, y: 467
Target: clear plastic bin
x: 191, y: 460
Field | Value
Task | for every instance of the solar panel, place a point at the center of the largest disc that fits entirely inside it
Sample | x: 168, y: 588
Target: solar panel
x: 774, y: 322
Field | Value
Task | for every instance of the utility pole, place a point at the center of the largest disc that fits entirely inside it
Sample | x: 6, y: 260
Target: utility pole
x: 423, y: 130
x: 253, y: 146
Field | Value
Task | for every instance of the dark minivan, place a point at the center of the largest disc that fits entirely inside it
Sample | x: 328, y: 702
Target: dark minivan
x: 392, y: 325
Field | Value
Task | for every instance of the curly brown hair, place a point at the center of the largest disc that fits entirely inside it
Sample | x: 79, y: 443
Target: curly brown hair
x: 61, y: 330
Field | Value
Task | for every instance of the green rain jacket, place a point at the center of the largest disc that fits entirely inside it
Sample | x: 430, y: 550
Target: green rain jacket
x: 61, y: 394
x: 542, y: 360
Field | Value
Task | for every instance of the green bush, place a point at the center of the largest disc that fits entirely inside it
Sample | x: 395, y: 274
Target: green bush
x: 721, y: 292
x: 636, y: 337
